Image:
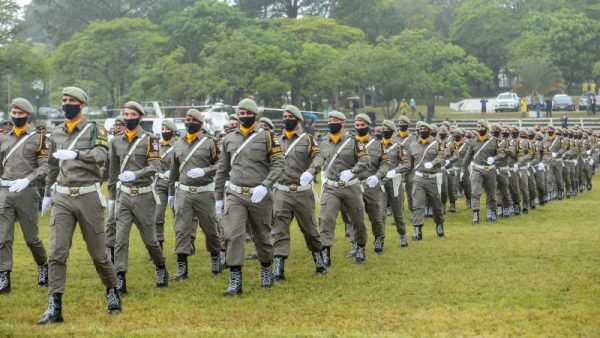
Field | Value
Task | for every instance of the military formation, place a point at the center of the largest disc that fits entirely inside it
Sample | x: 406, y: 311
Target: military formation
x: 252, y: 181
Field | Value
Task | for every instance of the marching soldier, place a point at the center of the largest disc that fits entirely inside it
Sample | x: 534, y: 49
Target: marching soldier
x: 166, y: 197
x: 111, y: 224
x: 193, y: 167
x: 251, y: 162
x: 78, y: 149
x: 448, y: 175
x: 344, y: 158
x: 556, y: 148
x: 405, y: 138
x: 539, y: 162
x: 535, y: 156
x: 24, y: 161
x: 482, y: 154
x: 134, y: 161
x: 293, y: 196
x: 588, y: 161
x: 266, y: 123
x: 460, y: 146
x: 523, y: 163
x: 504, y: 171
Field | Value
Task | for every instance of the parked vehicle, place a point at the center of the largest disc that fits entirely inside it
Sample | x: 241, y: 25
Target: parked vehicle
x: 508, y: 101
x: 563, y: 102
x: 583, y: 100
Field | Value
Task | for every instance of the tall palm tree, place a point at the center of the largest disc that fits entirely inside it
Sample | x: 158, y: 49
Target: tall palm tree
x: 537, y: 76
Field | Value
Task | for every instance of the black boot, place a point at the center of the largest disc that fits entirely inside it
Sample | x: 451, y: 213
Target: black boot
x: 266, y: 276
x: 215, y: 265
x: 517, y: 209
x: 326, y: 254
x: 452, y: 207
x: 43, y: 274
x: 468, y: 203
x: 235, y: 282
x: 54, y: 312
x: 475, y: 217
x: 560, y: 195
x: 193, y: 252
x: 278, y: 267
x: 378, y: 245
x: 493, y: 216
x: 113, y: 301
x: 418, y: 234
x: 352, y: 251
x: 182, y: 268
x: 439, y: 229
x: 162, y: 277
x: 403, y: 241
x: 359, y: 258
x: 526, y: 211
x: 121, y: 283
x: 4, y: 281
x: 320, y: 267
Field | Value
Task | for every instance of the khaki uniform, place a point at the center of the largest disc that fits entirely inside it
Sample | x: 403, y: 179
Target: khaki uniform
x: 131, y: 205
x: 290, y: 203
x: 449, y: 175
x: 70, y: 206
x: 464, y: 184
x: 260, y: 162
x: 111, y: 222
x: 554, y: 177
x: 29, y: 160
x: 194, y: 197
x: 523, y: 161
x: 535, y: 154
x: 513, y: 179
x: 504, y: 175
x: 162, y: 188
x: 405, y: 140
x: 394, y: 188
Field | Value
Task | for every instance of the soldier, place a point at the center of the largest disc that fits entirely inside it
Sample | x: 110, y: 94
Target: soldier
x: 135, y: 160
x: 393, y: 193
x: 588, y: 161
x: 344, y: 158
x: 266, y: 124
x: 482, y: 154
x: 427, y: 156
x: 571, y: 163
x: 541, y: 167
x: 24, y: 161
x: 193, y: 166
x: 251, y: 162
x: 504, y: 171
x: 166, y: 197
x: 405, y: 138
x: 448, y: 174
x: 460, y: 146
x: 78, y: 150
x: 557, y: 148
x: 294, y: 196
x: 111, y: 224
x: 535, y: 154
x: 523, y: 163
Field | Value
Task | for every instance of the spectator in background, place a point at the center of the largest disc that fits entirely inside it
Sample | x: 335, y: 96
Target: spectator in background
x: 584, y: 86
x: 592, y: 103
x: 523, y: 107
x: 593, y: 86
x: 564, y: 122
x: 483, y: 105
x: 548, y: 107
x: 413, y: 106
x: 403, y: 107
x: 538, y: 108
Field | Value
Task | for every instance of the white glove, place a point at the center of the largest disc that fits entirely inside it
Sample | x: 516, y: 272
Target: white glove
x: 111, y: 209
x: 591, y: 162
x: 19, y: 185
x: 516, y: 167
x: 554, y: 154
x: 167, y: 173
x: 462, y: 174
x: 195, y: 173
x: 490, y: 160
x: 428, y: 165
x: 65, y: 155
x: 45, y: 204
x: 372, y: 181
x: 171, y: 201
x: 258, y: 194
x: 391, y: 173
x: 219, y: 207
x: 588, y: 152
x: 447, y: 163
x: 541, y: 166
x: 575, y: 162
x: 306, y: 178
x: 127, y: 176
x: 346, y: 175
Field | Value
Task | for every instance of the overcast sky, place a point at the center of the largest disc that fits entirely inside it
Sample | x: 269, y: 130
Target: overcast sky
x: 23, y: 2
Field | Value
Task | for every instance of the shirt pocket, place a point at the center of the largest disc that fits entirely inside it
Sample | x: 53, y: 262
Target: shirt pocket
x: 84, y: 143
x: 256, y: 151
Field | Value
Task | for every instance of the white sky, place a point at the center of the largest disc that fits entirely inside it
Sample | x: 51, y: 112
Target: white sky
x: 23, y: 2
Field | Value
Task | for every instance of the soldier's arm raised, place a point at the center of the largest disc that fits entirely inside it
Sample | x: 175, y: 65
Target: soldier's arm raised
x: 276, y: 158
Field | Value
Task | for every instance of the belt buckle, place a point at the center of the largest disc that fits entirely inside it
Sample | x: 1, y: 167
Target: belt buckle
x: 193, y: 189
x: 486, y: 167
x: 73, y: 191
x: 341, y: 184
x: 246, y: 190
x: 293, y: 188
x: 134, y: 191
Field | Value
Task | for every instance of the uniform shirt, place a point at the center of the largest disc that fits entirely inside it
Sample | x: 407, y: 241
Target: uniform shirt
x: 165, y: 149
x: 535, y: 151
x: 29, y: 161
x: 144, y: 161
x: 555, y: 145
x: 492, y: 149
x: 86, y: 169
x: 522, y: 151
x: 352, y: 157
x: 261, y: 162
x: 459, y: 149
x: 303, y: 157
x: 379, y: 161
x: 206, y: 157
x: 507, y: 149
x: 398, y: 155
x: 423, y: 151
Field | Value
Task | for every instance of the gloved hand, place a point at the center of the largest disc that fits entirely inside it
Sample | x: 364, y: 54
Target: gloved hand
x: 258, y: 193
x: 219, y: 207
x: 554, y: 155
x: 167, y: 173
x: 491, y: 160
x: 428, y: 165
x: 575, y: 162
x: 65, y: 155
x: 171, y: 201
x: 591, y: 161
x: 346, y: 175
x: 127, y: 176
x: 19, y: 185
x: 111, y: 209
x: 306, y: 178
x: 541, y: 166
x: 516, y: 167
x: 391, y: 173
x: 588, y: 152
x: 447, y: 163
x: 45, y: 204
x: 462, y: 174
x: 372, y: 181
x: 195, y: 173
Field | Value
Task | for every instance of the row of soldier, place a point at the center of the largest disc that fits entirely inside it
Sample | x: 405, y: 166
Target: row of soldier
x: 255, y: 181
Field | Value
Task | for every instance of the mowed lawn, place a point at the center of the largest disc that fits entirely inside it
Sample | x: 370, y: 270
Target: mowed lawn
x: 534, y: 275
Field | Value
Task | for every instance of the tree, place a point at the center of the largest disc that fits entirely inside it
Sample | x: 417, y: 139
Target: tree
x: 8, y: 20
x: 290, y: 9
x: 375, y: 17
x: 538, y: 76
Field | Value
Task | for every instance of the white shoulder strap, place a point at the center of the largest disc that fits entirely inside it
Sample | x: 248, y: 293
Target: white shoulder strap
x: 289, y: 149
x: 189, y: 155
x: 131, y: 150
x: 239, y: 150
x: 335, y: 156
x: 480, y: 149
x: 370, y: 142
x: 72, y: 144
x: 391, y: 148
x: 162, y: 157
x: 425, y: 154
x: 16, y: 146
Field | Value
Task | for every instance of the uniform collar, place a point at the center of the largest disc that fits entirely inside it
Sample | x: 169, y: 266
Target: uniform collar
x: 424, y: 141
x: 69, y: 127
x: 246, y: 131
x: 129, y: 136
x: 363, y: 139
x: 387, y: 141
x: 189, y: 138
x: 26, y: 129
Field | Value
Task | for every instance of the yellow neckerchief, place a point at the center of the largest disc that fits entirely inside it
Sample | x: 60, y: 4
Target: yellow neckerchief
x: 482, y: 138
x: 362, y: 139
x: 289, y: 134
x: 457, y: 143
x: 246, y: 131
x: 20, y: 131
x: 387, y: 141
x: 551, y: 138
x: 165, y: 142
x: 130, y: 134
x: 191, y: 137
x: 336, y: 138
x: 424, y: 140
x: 72, y: 124
x: 403, y: 134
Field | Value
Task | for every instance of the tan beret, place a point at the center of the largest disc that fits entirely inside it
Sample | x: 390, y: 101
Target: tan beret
x: 169, y: 124
x: 135, y: 106
x: 390, y: 124
x: 404, y: 118
x: 267, y: 121
x: 484, y: 123
x: 248, y: 104
x: 76, y: 93
x: 294, y: 111
x: 363, y: 117
x: 338, y: 115
x: 194, y: 113
x: 24, y: 105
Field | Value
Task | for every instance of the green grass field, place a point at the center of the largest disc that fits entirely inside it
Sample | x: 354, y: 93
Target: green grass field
x: 534, y: 275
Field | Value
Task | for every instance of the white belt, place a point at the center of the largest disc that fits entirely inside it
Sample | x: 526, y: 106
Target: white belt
x: 523, y: 168
x: 6, y: 183
x: 134, y: 191
x: 163, y: 176
x: 292, y: 187
x: 452, y: 170
x: 197, y: 189
x: 341, y: 184
x: 75, y: 191
x: 426, y: 175
x: 238, y: 189
x: 505, y: 169
x: 484, y: 167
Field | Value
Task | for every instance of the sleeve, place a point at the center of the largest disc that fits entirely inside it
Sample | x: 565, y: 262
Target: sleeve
x: 441, y: 154
x: 468, y: 156
x: 154, y: 160
x: 405, y: 164
x: 525, y: 153
x: 500, y: 152
x: 173, y: 171
x: 223, y: 169
x: 42, y: 160
x: 98, y: 149
x: 214, y: 158
x: 52, y: 168
x: 362, y: 158
x: 384, y: 162
x: 114, y: 169
x: 276, y: 158
x: 317, y: 161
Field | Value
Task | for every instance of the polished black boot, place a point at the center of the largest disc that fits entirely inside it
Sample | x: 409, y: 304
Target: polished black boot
x: 54, y: 312
x: 439, y: 229
x: 162, y: 277
x: 182, y: 268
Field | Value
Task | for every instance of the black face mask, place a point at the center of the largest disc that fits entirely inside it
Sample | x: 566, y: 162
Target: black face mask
x: 20, y: 121
x: 247, y: 121
x: 496, y: 133
x: 515, y: 134
x: 531, y: 137
x: 378, y: 136
x: 443, y: 136
x: 362, y: 131
x: 131, y: 124
x: 505, y: 134
x: 457, y: 138
x: 335, y: 128
x: 388, y: 134
x: 482, y: 132
x: 167, y: 135
x: 71, y: 110
x: 290, y: 125
x: 192, y: 128
x: 403, y: 127
x: 434, y: 133
x: 424, y: 134
x: 551, y: 133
